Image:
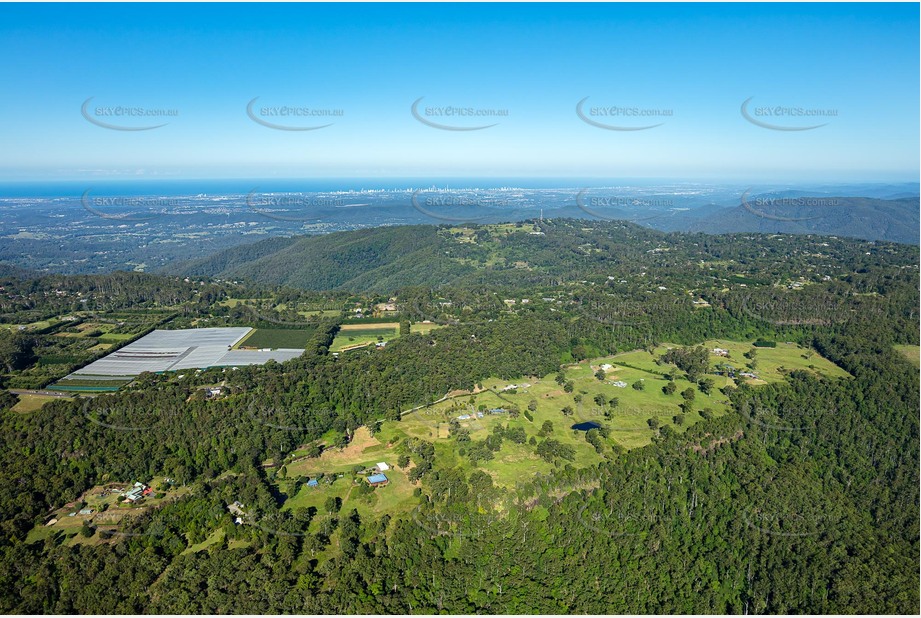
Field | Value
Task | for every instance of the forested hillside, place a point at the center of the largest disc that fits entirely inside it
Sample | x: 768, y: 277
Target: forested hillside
x: 802, y: 497
x: 386, y: 259
x: 856, y: 217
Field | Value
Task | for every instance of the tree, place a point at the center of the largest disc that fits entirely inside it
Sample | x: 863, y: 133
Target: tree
x: 403, y: 461
x: 551, y: 449
x: 593, y: 437
x: 546, y: 429
x: 693, y: 361
x: 653, y: 423
x: 705, y: 385
x: 481, y: 450
x: 532, y: 405
x: 332, y: 504
x: 669, y: 389
x: 568, y: 411
x: 688, y: 394
x: 639, y: 385
x: 569, y: 387
x: 314, y: 450
x: 16, y: 349
x: 600, y: 400
x: 601, y: 375
x: 404, y: 327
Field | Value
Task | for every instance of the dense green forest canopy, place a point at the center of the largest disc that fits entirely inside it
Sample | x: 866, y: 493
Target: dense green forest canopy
x: 802, y: 499
x: 545, y: 253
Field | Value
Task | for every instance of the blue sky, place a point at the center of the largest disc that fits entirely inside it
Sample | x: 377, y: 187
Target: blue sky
x: 856, y: 63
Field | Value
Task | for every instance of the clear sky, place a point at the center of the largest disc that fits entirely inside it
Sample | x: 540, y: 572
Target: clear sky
x: 856, y: 63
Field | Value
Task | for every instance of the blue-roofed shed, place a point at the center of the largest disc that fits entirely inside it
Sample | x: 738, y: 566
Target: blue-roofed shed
x: 377, y: 480
x: 312, y: 483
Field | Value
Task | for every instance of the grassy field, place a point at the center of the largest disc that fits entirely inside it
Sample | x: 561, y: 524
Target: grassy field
x: 31, y: 403
x: 356, y: 335
x: 911, y: 352
x: 40, y: 325
x: 393, y: 498
x: 116, y: 337
x: 233, y: 302
x: 360, y: 335
x: 423, y: 327
x: 321, y: 313
x: 336, y: 465
x: 772, y: 363
x: 276, y: 338
x: 514, y: 463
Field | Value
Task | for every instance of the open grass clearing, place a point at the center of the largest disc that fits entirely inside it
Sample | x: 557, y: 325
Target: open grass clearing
x: 911, y: 352
x: 627, y: 420
x: 31, y: 403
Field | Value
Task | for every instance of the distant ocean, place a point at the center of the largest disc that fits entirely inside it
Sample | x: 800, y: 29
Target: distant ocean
x: 233, y: 186
x: 242, y: 186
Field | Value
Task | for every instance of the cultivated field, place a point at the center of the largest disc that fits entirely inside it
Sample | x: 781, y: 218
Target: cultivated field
x: 275, y: 338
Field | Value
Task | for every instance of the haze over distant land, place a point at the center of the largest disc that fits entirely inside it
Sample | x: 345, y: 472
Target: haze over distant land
x: 148, y: 226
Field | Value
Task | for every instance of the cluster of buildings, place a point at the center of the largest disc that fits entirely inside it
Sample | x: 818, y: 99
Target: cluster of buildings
x: 236, y: 509
x: 732, y: 372
x: 140, y: 490
x: 377, y: 478
x: 480, y: 414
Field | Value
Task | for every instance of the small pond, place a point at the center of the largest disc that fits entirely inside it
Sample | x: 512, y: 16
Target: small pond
x: 586, y: 426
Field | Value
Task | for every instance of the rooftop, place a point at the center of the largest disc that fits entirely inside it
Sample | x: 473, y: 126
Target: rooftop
x: 192, y: 348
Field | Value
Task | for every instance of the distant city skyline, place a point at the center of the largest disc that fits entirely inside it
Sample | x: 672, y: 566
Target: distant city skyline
x: 713, y: 93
